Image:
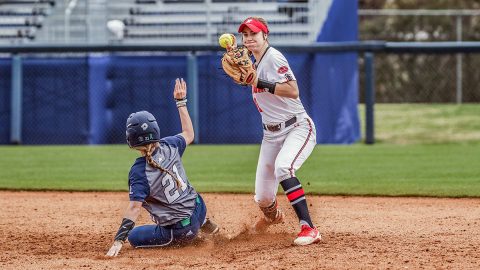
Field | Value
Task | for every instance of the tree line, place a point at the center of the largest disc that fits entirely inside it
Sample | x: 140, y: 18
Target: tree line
x: 422, y: 77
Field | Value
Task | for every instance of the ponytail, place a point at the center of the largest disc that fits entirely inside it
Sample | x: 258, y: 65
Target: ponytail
x: 147, y: 151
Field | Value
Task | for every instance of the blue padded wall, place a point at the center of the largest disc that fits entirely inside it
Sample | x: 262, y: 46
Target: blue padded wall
x: 142, y: 83
x: 5, y: 96
x: 336, y: 89
x: 55, y: 101
x: 87, y: 100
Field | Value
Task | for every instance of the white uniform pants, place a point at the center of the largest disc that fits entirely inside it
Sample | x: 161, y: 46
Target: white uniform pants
x: 281, y: 154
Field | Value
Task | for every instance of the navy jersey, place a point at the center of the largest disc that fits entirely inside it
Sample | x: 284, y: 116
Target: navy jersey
x: 157, y: 190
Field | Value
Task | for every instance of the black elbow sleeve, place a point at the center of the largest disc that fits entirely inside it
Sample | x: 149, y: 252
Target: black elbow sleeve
x: 264, y: 84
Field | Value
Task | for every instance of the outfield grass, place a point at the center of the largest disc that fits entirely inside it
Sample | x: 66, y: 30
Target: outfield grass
x: 425, y: 123
x: 446, y: 170
x: 421, y: 150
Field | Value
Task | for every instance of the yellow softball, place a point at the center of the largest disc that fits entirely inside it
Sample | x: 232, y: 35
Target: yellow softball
x: 226, y: 40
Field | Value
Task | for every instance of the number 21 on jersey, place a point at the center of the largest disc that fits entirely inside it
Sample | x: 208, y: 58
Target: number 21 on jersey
x: 172, y: 193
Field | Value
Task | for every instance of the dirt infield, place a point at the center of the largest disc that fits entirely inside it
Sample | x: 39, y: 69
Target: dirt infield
x: 64, y: 230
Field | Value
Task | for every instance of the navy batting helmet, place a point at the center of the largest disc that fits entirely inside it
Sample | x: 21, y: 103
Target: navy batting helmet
x: 142, y: 129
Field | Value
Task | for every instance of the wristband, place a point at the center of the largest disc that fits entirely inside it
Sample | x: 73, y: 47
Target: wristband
x: 180, y: 99
x: 181, y: 102
x: 269, y: 86
x: 125, y: 228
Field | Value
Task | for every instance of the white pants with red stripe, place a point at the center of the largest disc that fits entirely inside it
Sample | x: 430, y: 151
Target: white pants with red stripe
x: 282, y: 153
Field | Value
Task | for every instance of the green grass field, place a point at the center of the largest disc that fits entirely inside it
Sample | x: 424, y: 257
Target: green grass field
x: 425, y: 123
x: 435, y: 157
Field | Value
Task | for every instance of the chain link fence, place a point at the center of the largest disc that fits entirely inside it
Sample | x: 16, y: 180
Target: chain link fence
x: 423, y: 78
x: 427, y: 78
x: 78, y: 99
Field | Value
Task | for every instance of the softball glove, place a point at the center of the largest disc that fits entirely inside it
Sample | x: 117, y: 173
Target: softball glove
x: 236, y: 62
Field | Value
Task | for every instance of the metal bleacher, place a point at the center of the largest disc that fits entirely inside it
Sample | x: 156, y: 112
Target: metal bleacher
x: 167, y: 21
x: 20, y: 20
x: 201, y: 22
x: 204, y: 22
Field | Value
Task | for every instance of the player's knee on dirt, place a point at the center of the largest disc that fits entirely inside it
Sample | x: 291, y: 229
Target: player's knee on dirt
x: 149, y: 235
x: 133, y: 237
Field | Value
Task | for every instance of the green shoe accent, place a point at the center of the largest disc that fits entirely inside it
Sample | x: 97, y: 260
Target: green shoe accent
x: 185, y: 222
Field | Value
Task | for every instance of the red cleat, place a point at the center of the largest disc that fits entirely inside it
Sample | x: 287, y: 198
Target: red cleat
x: 307, y: 236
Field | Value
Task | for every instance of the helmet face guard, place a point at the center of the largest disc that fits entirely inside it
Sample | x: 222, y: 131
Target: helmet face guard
x: 142, y: 129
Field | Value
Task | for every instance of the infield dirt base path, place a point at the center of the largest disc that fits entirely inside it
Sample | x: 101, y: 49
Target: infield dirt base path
x: 65, y: 230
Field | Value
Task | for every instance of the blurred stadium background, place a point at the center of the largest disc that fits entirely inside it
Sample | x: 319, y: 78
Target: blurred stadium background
x: 83, y: 97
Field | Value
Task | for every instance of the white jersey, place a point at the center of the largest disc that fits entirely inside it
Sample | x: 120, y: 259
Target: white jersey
x: 273, y: 67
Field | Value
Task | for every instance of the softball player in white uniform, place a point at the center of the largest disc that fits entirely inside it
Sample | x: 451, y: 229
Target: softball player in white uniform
x: 289, y: 133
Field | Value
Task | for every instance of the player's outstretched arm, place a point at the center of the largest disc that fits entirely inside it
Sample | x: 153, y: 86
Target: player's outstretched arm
x: 128, y: 222
x: 180, y: 95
